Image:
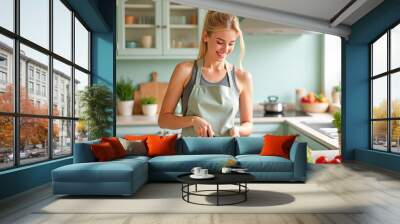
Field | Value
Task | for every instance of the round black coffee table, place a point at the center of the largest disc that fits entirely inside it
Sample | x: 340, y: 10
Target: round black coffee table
x: 238, y: 179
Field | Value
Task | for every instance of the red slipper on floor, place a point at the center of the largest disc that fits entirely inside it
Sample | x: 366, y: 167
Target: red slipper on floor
x: 321, y: 160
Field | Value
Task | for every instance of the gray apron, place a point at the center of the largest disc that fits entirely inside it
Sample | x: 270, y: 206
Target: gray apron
x: 217, y: 105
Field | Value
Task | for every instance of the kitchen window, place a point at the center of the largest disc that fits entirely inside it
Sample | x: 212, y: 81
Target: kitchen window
x: 384, y: 91
x: 54, y: 44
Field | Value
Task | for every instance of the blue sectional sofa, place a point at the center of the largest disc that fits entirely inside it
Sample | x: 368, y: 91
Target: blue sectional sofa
x: 125, y: 176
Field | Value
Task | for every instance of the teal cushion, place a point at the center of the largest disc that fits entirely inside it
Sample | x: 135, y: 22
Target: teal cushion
x: 257, y: 163
x: 185, y: 163
x: 249, y: 145
x: 201, y: 145
x: 83, y: 152
x: 133, y: 158
x: 111, y: 171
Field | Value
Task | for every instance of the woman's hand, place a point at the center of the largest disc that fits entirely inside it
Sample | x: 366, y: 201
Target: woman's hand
x: 234, y: 132
x: 202, y: 127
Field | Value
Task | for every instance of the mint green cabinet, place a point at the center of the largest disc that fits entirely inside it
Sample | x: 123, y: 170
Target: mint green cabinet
x: 157, y: 29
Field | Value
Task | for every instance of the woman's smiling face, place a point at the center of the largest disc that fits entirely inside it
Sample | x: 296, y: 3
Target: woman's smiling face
x: 220, y: 44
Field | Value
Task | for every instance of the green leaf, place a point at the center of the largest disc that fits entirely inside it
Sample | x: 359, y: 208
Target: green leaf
x: 125, y: 89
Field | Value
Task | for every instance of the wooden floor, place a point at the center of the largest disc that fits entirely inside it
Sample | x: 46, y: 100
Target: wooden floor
x: 377, y: 188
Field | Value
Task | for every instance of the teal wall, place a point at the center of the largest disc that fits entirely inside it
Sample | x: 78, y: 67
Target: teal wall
x: 279, y: 64
x: 355, y: 77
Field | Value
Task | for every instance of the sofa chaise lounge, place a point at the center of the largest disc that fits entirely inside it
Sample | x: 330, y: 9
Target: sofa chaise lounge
x: 125, y: 176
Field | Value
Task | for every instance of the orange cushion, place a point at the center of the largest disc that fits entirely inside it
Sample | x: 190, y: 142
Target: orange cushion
x: 161, y: 145
x: 116, y: 145
x: 103, y: 151
x: 136, y: 137
x: 277, y: 145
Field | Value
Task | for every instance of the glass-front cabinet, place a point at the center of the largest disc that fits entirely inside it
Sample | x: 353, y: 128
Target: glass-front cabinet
x: 157, y: 29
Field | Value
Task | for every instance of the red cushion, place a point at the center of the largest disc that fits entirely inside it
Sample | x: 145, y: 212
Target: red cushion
x: 161, y: 145
x: 116, y: 145
x: 277, y: 145
x: 103, y: 151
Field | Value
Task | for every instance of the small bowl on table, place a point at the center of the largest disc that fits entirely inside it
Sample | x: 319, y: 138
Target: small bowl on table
x: 314, y: 107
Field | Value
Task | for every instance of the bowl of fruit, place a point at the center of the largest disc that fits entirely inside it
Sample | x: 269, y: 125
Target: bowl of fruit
x: 314, y: 103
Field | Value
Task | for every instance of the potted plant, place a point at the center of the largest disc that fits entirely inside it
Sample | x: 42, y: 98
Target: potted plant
x: 149, y: 105
x: 336, y: 94
x: 96, y: 102
x: 125, y: 102
x: 337, y: 123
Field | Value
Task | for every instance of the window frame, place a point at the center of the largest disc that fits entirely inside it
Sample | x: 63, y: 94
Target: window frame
x: 388, y: 74
x: 16, y: 114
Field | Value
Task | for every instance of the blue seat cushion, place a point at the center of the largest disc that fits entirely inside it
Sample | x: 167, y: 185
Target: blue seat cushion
x: 257, y: 163
x: 185, y: 163
x: 111, y: 171
x: 198, y: 145
x: 249, y: 145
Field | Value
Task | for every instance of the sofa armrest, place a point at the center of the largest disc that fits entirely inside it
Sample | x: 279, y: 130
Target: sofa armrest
x: 298, y: 155
x: 83, y: 152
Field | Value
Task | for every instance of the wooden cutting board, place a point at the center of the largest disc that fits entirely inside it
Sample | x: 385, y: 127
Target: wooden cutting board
x: 152, y: 88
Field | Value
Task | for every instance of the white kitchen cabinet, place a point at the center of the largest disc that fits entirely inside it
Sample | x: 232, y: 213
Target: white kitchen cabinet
x: 157, y: 29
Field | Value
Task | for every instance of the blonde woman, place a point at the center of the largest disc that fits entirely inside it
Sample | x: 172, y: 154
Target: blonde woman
x: 211, y: 90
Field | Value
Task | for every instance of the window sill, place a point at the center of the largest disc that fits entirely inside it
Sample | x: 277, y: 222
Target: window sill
x: 26, y: 167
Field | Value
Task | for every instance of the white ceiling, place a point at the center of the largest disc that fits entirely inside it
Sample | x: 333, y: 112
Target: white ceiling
x: 311, y: 15
x: 320, y: 9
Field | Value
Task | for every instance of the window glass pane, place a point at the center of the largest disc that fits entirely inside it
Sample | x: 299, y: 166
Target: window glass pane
x: 395, y: 136
x: 6, y: 142
x: 6, y: 74
x: 33, y: 139
x: 81, y: 131
x: 34, y: 72
x: 62, y: 89
x: 7, y: 14
x: 379, y: 97
x: 62, y: 29
x: 81, y: 81
x: 379, y: 135
x: 34, y: 17
x: 62, y: 133
x: 395, y: 94
x: 379, y: 56
x: 395, y: 47
x: 81, y: 45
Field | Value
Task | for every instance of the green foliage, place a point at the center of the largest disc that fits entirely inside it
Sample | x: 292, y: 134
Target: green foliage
x: 148, y: 100
x: 125, y: 89
x: 337, y: 88
x: 96, y: 102
x: 337, y: 120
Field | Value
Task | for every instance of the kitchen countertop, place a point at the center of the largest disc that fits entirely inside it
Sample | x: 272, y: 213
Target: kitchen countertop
x: 295, y: 122
x: 142, y: 120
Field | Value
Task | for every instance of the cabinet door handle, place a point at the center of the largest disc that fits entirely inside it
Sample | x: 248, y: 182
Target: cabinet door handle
x: 158, y: 26
x: 164, y: 26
